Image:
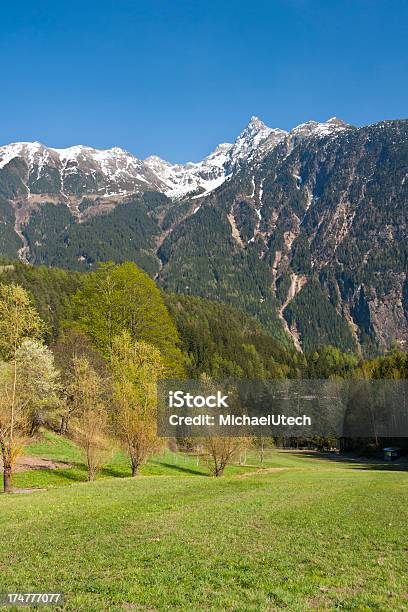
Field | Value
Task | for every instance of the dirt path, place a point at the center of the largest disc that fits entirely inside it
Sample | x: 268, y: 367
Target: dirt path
x: 14, y: 490
x: 36, y: 463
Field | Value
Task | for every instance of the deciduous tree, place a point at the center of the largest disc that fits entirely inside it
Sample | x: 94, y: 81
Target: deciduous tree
x: 117, y: 298
x: 70, y: 345
x: 18, y: 321
x: 38, y: 381
x: 136, y: 368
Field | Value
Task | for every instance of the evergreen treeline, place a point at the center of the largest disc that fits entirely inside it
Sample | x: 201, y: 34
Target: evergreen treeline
x: 50, y: 289
x: 317, y: 320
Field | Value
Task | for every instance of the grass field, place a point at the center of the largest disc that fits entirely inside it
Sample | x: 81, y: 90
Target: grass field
x: 318, y: 534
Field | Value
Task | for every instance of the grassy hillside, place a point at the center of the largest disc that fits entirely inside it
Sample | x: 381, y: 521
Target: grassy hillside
x: 59, y: 449
x: 317, y: 534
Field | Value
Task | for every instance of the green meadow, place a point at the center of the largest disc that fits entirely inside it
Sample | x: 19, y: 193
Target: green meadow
x: 300, y: 533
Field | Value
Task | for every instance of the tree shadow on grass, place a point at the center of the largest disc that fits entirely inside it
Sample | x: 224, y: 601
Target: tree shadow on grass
x: 76, y: 473
x: 48, y: 477
x: 179, y: 468
x: 394, y: 466
x: 320, y: 455
x: 115, y: 472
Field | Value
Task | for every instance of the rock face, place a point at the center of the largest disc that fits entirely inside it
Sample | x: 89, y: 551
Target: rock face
x: 306, y: 230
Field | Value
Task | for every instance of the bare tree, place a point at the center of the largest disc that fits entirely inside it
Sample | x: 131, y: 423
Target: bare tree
x: 90, y: 429
x: 221, y: 451
x: 70, y: 345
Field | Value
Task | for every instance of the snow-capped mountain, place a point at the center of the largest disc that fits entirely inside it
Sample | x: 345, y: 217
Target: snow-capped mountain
x: 314, y: 129
x: 75, y: 171
x: 205, y: 176
x: 78, y: 171
x: 253, y: 143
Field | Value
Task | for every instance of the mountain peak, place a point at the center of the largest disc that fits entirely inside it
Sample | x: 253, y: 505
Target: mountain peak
x: 319, y: 128
x: 337, y: 121
x: 255, y: 126
x: 256, y: 122
x: 254, y: 141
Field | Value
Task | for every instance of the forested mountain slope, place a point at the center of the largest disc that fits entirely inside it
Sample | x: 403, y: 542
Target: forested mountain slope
x: 306, y: 230
x: 321, y: 225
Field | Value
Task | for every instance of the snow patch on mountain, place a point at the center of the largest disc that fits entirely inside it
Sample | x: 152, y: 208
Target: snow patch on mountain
x: 252, y: 143
x: 318, y: 129
x: 181, y: 179
x: 100, y: 172
x: 29, y: 150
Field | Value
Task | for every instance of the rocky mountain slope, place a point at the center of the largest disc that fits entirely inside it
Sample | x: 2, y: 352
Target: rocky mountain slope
x: 306, y: 230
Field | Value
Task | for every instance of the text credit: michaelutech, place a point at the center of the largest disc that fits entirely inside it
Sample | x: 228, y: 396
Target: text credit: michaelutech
x: 289, y: 408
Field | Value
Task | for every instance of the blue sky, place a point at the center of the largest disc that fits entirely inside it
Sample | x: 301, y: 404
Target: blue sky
x: 174, y: 78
